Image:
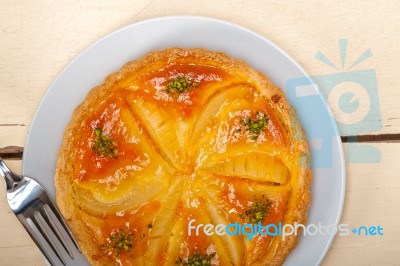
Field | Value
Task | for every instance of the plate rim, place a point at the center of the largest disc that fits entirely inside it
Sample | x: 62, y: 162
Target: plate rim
x: 233, y: 25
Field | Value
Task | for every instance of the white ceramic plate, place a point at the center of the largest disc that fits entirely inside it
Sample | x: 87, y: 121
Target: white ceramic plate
x: 111, y: 52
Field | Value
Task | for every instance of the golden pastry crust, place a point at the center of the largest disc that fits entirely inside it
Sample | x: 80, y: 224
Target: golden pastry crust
x: 123, y: 101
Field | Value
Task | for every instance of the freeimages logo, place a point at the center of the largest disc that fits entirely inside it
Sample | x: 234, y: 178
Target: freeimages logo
x: 353, y: 97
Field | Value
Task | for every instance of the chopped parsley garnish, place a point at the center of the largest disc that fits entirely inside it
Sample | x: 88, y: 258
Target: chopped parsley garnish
x: 196, y: 259
x: 118, y: 241
x: 180, y: 85
x: 104, y: 145
x: 257, y: 212
x: 255, y: 126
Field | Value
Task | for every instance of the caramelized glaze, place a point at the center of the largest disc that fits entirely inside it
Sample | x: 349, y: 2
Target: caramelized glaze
x: 182, y: 156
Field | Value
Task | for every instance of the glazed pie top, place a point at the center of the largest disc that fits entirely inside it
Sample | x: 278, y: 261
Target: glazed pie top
x: 183, y: 134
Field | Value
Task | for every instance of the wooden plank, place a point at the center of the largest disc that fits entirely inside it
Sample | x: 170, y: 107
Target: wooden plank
x: 12, y: 136
x: 372, y: 199
x: 24, y: 255
x: 371, y: 195
x: 40, y: 42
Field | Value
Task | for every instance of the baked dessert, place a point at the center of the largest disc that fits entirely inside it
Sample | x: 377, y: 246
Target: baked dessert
x: 175, y: 158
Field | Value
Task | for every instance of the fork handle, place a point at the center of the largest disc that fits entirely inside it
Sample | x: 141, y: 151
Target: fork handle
x: 10, y: 177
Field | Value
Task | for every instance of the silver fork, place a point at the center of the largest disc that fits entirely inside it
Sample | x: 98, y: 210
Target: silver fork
x: 34, y: 209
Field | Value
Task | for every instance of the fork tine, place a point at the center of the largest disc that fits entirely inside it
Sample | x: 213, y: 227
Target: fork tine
x: 55, y: 211
x: 55, y: 230
x: 45, y: 234
x: 38, y: 214
x: 28, y: 227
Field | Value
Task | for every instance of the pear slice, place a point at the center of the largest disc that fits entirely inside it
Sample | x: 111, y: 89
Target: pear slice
x: 98, y: 199
x: 232, y: 245
x: 163, y: 223
x: 219, y: 100
x: 254, y: 165
x: 164, y: 129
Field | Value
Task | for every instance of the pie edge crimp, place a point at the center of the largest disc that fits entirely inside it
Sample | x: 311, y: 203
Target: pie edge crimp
x: 302, y: 194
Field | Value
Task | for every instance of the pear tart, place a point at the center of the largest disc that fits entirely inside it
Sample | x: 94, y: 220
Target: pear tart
x: 183, y: 137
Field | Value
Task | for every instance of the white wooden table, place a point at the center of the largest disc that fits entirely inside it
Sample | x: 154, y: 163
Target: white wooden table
x: 38, y: 38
